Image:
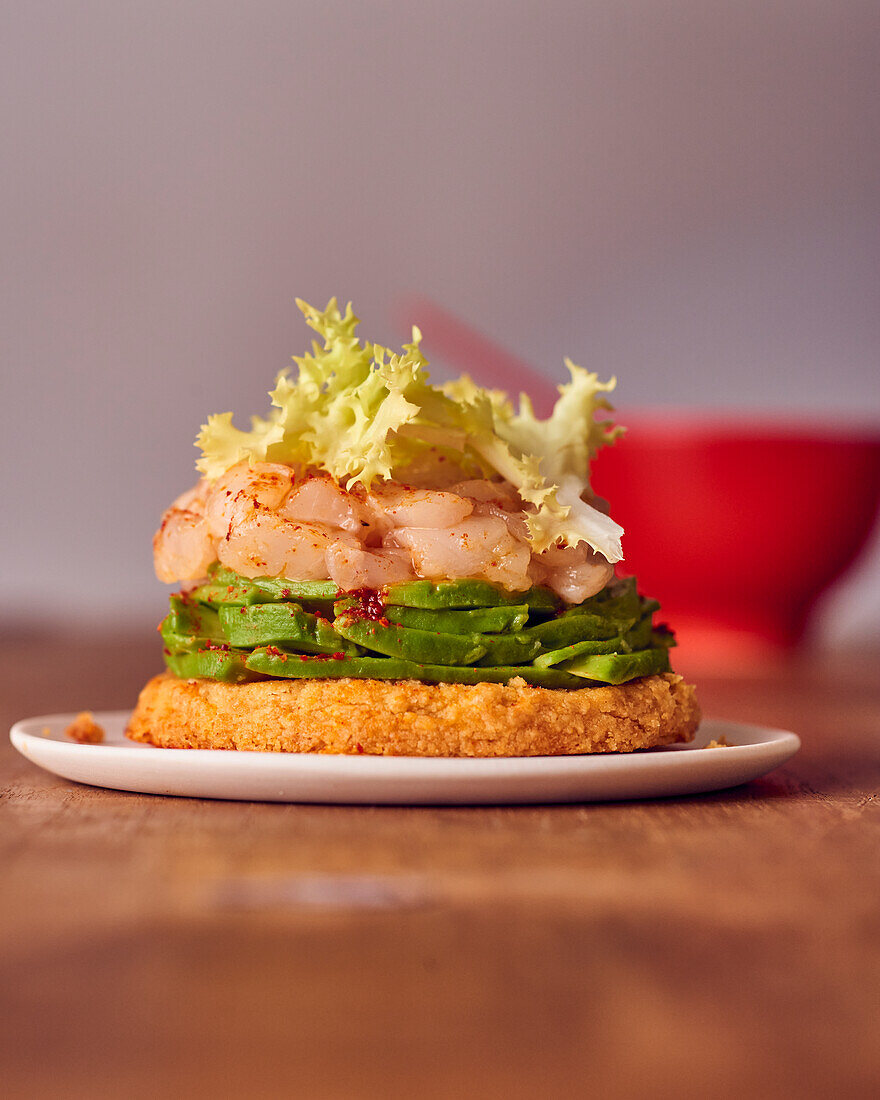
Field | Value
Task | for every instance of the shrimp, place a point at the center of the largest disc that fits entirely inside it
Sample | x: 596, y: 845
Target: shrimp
x: 270, y: 519
x: 499, y: 493
x: 265, y: 544
x: 244, y: 489
x: 352, y: 567
x: 515, y: 521
x: 193, y: 500
x: 573, y: 572
x: 183, y: 547
x: 406, y: 507
x: 475, y: 547
x: 320, y: 499
x: 510, y: 568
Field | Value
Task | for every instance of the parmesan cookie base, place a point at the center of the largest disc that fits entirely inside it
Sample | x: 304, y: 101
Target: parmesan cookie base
x: 408, y: 718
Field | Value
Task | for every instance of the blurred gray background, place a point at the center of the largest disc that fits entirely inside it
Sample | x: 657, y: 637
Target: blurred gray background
x: 681, y: 192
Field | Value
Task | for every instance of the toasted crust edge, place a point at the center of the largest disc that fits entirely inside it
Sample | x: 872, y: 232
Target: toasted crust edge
x: 409, y: 718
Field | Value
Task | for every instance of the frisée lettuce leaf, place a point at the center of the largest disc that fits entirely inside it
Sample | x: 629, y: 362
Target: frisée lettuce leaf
x: 362, y: 412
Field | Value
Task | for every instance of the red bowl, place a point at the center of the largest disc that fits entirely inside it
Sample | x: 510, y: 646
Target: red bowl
x: 739, y: 525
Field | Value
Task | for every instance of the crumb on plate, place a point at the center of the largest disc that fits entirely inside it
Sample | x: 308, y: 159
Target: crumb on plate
x: 85, y: 729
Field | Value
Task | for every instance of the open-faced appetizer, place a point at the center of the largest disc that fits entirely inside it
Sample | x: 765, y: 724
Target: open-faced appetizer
x: 386, y: 566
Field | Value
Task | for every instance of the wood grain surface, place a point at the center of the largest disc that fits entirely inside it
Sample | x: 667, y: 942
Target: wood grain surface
x: 724, y: 945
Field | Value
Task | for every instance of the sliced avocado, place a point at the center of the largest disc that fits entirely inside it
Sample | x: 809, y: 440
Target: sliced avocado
x: 226, y: 586
x: 241, y: 594
x: 226, y: 664
x: 464, y: 631
x: 422, y: 646
x: 463, y: 594
x: 616, y: 588
x: 537, y: 677
x: 509, y: 649
x: 639, y: 636
x: 178, y: 643
x: 294, y: 666
x: 478, y: 620
x: 557, y: 656
x: 283, y: 623
x: 619, y: 600
x: 188, y: 617
x: 278, y: 588
x: 275, y: 662
x: 617, y: 668
x: 625, y: 606
x: 567, y: 628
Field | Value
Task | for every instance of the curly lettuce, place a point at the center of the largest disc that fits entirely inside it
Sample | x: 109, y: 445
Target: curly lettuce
x: 362, y: 413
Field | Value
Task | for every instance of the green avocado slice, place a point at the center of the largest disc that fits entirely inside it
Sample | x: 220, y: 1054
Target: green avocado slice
x: 469, y: 630
x: 639, y: 636
x: 422, y: 646
x: 240, y: 594
x: 568, y: 628
x: 178, y: 643
x: 509, y: 649
x: 225, y: 664
x: 626, y: 606
x: 557, y: 656
x: 464, y: 594
x: 618, y: 600
x: 278, y: 588
x: 477, y: 620
x: 292, y: 666
x: 227, y: 586
x: 283, y: 623
x: 617, y: 668
x: 188, y: 617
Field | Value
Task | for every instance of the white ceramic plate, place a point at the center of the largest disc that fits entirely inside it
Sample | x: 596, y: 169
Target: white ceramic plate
x: 293, y: 777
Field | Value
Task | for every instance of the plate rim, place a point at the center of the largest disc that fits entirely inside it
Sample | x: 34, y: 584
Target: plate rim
x: 785, y: 742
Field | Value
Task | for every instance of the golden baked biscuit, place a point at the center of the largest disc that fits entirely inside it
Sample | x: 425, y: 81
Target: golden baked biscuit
x: 409, y: 718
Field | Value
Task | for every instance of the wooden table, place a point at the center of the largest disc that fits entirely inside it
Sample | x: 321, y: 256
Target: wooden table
x: 726, y: 945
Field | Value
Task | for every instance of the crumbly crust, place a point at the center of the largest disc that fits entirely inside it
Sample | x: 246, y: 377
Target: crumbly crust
x: 85, y: 729
x: 408, y: 718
